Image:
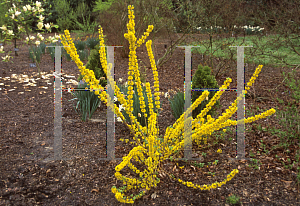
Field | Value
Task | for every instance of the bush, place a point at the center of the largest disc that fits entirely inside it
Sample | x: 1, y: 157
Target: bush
x: 65, y: 14
x: 203, y: 79
x: 92, y: 42
x: 95, y: 65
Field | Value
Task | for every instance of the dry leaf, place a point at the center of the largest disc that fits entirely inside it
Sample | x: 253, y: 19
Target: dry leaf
x: 11, y: 90
x: 95, y: 190
x: 153, y: 196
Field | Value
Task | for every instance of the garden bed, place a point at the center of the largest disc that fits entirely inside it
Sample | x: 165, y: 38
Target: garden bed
x: 26, y: 124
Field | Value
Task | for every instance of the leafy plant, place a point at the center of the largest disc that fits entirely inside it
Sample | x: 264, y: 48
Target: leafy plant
x: 80, y: 45
x: 86, y: 26
x: 51, y: 51
x: 91, y: 42
x: 233, y: 199
x: 83, y: 54
x: 43, y: 47
x: 177, y: 104
x: 87, y: 102
x: 65, y: 14
x: 37, y: 52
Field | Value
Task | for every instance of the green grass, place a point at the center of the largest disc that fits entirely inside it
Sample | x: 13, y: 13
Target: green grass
x: 259, y: 54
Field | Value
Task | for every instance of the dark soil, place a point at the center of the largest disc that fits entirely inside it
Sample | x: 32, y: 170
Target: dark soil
x: 27, y: 122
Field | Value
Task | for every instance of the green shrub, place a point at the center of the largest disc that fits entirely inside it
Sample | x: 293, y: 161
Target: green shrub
x: 203, y: 79
x: 80, y: 45
x: 91, y: 42
x: 87, y: 102
x: 136, y: 104
x: 65, y: 15
x: 95, y: 65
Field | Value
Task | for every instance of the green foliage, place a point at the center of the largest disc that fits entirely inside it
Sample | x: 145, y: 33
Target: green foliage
x: 95, y: 65
x: 51, y: 51
x: 136, y: 105
x: 83, y: 19
x: 3, y: 20
x: 37, y: 51
x: 65, y: 14
x: 87, y: 101
x: 293, y: 84
x: 177, y: 104
x: 203, y: 79
x: 91, y: 42
x: 80, y: 45
x: 43, y: 47
x: 83, y: 54
x: 233, y: 199
x: 102, y: 6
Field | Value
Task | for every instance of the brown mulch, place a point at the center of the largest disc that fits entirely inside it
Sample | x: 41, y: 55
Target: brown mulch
x: 26, y: 123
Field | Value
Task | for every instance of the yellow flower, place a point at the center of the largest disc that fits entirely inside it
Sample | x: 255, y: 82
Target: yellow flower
x: 219, y: 151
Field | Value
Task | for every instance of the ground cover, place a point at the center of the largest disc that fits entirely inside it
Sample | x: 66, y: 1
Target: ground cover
x: 82, y: 179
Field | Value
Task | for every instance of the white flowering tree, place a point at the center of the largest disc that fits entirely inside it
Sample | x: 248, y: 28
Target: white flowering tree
x: 20, y: 19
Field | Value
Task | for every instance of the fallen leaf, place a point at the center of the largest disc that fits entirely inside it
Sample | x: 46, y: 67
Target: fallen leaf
x: 153, y: 196
x: 287, y: 183
x: 95, y: 190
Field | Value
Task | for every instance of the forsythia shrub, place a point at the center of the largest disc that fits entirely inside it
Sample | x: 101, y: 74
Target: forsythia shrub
x: 154, y: 151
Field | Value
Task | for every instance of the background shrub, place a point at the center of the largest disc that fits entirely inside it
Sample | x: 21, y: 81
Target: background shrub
x: 95, y: 65
x: 65, y: 15
x: 203, y: 79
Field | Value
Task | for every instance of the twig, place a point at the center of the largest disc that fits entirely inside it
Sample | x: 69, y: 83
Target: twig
x: 10, y: 99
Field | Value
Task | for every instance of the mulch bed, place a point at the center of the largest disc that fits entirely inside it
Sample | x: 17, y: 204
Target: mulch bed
x: 26, y: 124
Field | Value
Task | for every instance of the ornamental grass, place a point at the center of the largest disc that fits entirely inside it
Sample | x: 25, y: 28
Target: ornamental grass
x: 151, y: 150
